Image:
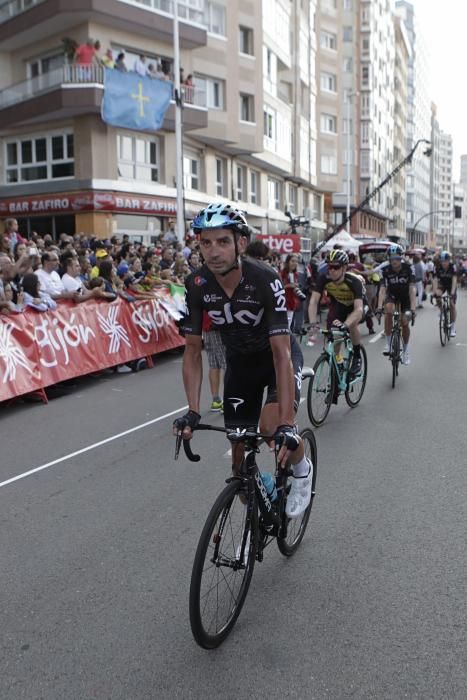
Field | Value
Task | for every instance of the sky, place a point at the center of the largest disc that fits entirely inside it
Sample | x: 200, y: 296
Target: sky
x: 444, y: 26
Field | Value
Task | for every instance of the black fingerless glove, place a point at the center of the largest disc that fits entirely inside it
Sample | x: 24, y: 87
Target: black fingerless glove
x: 189, y: 420
x: 287, y: 435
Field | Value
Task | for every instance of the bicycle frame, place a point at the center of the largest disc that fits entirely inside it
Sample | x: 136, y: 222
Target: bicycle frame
x: 250, y: 476
x: 336, y: 337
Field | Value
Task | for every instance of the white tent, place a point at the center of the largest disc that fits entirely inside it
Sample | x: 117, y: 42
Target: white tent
x: 344, y: 239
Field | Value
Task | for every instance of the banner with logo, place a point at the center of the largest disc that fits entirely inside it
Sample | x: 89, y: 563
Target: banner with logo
x: 38, y: 349
x: 278, y: 243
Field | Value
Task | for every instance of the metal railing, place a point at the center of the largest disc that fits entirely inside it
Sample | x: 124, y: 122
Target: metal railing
x: 11, y: 8
x: 76, y: 75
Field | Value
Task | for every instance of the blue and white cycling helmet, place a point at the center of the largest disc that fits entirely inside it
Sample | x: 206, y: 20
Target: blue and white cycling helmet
x: 444, y: 256
x: 394, y: 251
x: 220, y: 215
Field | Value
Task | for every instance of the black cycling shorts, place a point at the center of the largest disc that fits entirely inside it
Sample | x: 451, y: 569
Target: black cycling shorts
x: 443, y: 289
x: 402, y: 299
x: 246, y: 378
x: 340, y: 312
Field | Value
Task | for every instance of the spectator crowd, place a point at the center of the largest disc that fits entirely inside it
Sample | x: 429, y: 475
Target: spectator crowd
x: 40, y: 272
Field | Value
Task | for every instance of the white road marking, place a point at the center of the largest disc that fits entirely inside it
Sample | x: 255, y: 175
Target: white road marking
x: 91, y: 447
x: 377, y: 337
x: 461, y: 345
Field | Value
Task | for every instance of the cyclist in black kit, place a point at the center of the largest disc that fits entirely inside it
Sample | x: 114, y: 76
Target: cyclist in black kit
x: 397, y: 285
x: 245, y: 300
x: 445, y: 280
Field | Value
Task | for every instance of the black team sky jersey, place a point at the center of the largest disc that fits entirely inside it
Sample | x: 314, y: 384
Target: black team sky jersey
x: 255, y: 312
x: 345, y: 293
x: 445, y: 277
x: 398, y: 282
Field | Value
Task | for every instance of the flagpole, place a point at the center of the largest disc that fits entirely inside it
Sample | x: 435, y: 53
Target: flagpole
x: 178, y: 131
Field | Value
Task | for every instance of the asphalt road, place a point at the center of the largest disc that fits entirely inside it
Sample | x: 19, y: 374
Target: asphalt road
x: 96, y: 550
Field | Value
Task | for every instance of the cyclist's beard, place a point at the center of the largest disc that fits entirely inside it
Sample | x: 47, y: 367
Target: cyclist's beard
x: 222, y: 269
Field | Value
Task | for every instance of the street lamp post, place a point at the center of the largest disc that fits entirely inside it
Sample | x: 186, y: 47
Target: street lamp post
x: 373, y: 193
x: 348, y: 104
x: 430, y: 213
x: 178, y: 130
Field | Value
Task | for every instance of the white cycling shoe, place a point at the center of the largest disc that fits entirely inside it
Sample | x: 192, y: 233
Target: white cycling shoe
x: 406, y: 357
x: 299, y: 496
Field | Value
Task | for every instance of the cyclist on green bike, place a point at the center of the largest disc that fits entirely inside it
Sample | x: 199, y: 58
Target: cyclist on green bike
x: 345, y: 291
x: 397, y: 285
x: 245, y: 300
x: 445, y: 280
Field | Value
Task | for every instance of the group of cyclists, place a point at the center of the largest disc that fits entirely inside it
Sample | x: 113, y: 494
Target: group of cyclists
x: 246, y: 301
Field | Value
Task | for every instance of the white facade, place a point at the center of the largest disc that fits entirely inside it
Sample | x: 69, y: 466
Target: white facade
x: 376, y: 85
x: 459, y: 238
x: 419, y: 127
x: 445, y: 218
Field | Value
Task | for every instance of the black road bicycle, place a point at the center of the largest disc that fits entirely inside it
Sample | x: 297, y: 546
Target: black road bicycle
x: 332, y: 377
x: 241, y: 524
x: 444, y: 303
x: 395, y: 343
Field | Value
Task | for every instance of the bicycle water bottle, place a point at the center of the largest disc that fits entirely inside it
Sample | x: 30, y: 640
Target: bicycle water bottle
x: 270, y: 485
x: 340, y: 364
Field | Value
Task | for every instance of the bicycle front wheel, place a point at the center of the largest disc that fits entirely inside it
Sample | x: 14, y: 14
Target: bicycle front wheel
x: 443, y: 327
x: 321, y: 390
x: 356, y: 386
x: 220, y: 580
x: 294, y: 528
x: 395, y: 356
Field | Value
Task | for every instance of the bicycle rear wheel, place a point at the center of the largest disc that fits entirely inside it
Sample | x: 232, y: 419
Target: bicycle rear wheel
x: 354, y: 392
x: 321, y: 390
x: 219, y: 580
x: 395, y: 356
x: 294, y: 528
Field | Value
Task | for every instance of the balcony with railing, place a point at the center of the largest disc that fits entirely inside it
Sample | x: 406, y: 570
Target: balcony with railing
x: 71, y: 90
x: 24, y: 22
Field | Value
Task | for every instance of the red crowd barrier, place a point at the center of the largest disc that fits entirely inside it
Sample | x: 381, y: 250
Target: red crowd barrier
x: 38, y: 349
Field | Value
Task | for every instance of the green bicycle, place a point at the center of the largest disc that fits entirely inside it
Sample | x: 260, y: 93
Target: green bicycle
x: 332, y: 376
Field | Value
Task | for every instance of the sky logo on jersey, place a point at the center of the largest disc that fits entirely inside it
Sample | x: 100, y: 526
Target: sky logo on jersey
x: 246, y: 318
x: 279, y: 293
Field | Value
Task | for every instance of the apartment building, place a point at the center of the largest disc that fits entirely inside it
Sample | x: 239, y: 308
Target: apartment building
x: 463, y: 174
x: 457, y: 243
x: 337, y: 107
x: 397, y: 223
x: 446, y: 205
x: 63, y: 169
x: 419, y: 127
x: 435, y: 174
x: 359, y: 88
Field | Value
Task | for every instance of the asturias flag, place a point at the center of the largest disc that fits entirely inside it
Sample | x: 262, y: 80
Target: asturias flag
x: 132, y: 101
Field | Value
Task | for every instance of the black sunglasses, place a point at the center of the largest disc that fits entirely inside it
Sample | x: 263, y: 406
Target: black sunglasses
x: 334, y: 266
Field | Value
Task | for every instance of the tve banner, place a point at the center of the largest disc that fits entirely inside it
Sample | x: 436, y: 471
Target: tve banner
x: 282, y: 244
x: 38, y: 349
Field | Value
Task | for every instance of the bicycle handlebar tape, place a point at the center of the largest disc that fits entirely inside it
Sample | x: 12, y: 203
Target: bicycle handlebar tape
x: 188, y: 451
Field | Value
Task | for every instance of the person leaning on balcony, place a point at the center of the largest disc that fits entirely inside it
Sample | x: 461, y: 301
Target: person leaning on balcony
x: 188, y: 88
x: 107, y: 59
x: 85, y: 54
x: 140, y: 66
x: 120, y: 62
